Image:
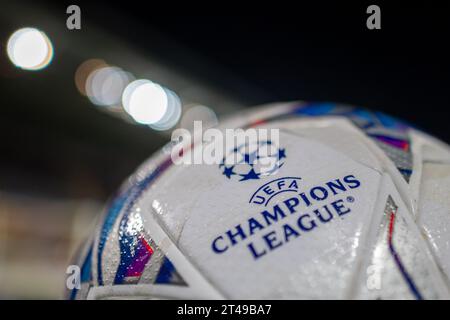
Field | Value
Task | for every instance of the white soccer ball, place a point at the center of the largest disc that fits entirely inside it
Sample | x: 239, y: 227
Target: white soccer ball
x: 358, y: 208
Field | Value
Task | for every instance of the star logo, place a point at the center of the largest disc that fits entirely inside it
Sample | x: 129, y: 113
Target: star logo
x: 253, y: 161
x: 228, y: 171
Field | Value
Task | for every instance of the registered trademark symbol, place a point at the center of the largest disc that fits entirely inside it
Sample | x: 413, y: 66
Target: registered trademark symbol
x: 350, y: 199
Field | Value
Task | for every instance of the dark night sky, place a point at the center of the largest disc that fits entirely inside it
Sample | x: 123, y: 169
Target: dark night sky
x: 321, y: 52
x: 318, y: 52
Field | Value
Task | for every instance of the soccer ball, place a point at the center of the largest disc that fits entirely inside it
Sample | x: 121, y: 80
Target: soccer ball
x: 355, y: 206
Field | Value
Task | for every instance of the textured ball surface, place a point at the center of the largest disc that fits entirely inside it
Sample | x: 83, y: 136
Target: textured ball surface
x: 356, y: 206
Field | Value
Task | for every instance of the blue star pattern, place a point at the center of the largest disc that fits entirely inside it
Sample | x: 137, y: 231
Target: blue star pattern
x: 228, y: 171
x: 245, y: 161
x: 281, y: 153
x: 250, y: 175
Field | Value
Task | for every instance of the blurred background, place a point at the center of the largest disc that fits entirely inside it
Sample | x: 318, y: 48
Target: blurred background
x: 69, y: 137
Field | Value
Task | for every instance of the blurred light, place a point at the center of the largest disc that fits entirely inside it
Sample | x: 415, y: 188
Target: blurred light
x: 83, y: 72
x: 104, y: 86
x: 30, y: 49
x: 145, y: 101
x: 199, y: 113
x: 172, y: 115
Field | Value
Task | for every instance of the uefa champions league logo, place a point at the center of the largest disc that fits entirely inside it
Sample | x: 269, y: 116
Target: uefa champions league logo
x: 253, y: 161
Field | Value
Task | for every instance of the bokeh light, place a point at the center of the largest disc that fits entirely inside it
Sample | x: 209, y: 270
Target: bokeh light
x: 104, y: 86
x: 172, y: 115
x: 198, y: 113
x: 30, y: 49
x: 146, y: 102
x: 83, y: 72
